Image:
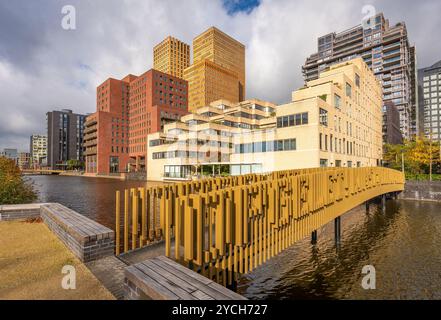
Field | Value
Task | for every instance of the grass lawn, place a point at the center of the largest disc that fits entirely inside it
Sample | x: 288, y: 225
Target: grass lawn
x: 31, y: 260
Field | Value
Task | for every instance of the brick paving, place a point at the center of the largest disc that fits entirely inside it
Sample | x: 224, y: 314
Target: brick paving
x: 110, y: 272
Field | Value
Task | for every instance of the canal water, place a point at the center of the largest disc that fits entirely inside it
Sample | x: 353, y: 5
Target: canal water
x: 403, y: 245
x: 92, y: 197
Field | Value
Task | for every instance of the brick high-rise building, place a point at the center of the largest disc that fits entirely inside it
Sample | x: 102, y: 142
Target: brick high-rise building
x: 106, y: 133
x: 127, y: 111
x: 156, y: 98
x: 387, y: 51
x: 218, y: 70
x: 171, y: 56
x: 65, y: 138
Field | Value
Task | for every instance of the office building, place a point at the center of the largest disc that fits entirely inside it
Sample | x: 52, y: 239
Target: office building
x: 171, y: 56
x: 386, y: 50
x: 38, y: 150
x: 335, y: 120
x: 127, y: 111
x: 391, y: 124
x: 24, y: 160
x: 106, y: 133
x: 64, y: 138
x: 218, y: 69
x: 430, y: 100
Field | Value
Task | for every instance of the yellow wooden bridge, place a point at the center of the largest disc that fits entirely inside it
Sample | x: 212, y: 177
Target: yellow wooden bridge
x: 224, y: 227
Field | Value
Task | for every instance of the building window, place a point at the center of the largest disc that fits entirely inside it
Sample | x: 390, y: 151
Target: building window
x: 337, y: 101
x: 323, y: 163
x: 114, y: 165
x: 323, y: 117
x: 292, y: 120
x: 357, y: 80
x: 348, y: 90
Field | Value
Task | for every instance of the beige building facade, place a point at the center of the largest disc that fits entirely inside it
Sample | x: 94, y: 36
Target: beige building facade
x: 218, y: 70
x: 171, y: 56
x: 334, y: 121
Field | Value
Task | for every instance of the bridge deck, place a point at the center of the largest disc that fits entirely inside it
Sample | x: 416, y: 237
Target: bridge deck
x: 163, y: 279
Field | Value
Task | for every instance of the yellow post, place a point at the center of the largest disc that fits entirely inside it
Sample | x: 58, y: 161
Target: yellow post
x: 126, y: 220
x: 134, y: 217
x: 117, y: 223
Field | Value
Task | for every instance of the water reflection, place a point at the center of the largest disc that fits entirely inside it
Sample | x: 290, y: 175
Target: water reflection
x: 93, y: 197
x: 402, y: 244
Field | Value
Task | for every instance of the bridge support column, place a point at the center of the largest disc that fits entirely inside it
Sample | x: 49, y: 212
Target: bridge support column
x: 383, y: 203
x: 367, y: 207
x: 314, y: 237
x: 337, y: 230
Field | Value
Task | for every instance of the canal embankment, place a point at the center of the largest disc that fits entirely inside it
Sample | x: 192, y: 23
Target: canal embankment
x: 422, y: 191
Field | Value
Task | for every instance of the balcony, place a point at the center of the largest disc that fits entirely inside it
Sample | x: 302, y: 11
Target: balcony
x: 90, y: 129
x: 90, y: 151
x: 90, y: 143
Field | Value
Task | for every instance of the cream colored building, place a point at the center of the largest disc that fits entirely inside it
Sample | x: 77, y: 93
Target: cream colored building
x: 333, y: 121
x: 171, y: 56
x: 218, y: 70
x: 38, y: 150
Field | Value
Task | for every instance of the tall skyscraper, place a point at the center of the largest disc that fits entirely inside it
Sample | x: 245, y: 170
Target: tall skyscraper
x: 429, y: 80
x: 38, y: 150
x: 387, y: 51
x: 65, y: 138
x: 171, y: 56
x: 127, y: 111
x: 218, y: 70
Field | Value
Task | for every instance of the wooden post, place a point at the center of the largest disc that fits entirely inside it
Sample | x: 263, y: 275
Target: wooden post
x: 117, y: 223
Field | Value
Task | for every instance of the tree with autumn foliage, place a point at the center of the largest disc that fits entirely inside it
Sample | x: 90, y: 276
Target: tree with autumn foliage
x: 13, y: 188
x: 419, y: 156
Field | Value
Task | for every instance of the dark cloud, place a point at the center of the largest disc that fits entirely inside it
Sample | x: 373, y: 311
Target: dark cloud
x: 43, y: 67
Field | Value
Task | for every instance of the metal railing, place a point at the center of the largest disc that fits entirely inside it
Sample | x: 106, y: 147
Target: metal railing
x: 224, y: 227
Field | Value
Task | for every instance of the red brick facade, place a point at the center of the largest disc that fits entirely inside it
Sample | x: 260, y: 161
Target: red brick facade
x: 127, y: 111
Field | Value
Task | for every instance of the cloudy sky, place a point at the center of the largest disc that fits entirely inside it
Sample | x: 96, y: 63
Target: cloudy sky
x: 44, y: 67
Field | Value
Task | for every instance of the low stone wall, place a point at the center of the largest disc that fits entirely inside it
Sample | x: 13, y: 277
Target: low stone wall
x: 87, y: 239
x: 19, y: 212
x: 422, y: 190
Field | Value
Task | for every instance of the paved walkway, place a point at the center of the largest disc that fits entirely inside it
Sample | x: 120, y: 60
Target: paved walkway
x: 110, y: 272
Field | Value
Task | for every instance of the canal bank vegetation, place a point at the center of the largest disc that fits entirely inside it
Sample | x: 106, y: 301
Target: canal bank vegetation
x: 419, y: 159
x: 13, y: 187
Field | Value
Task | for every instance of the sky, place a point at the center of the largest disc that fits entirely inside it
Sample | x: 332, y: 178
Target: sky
x: 44, y: 67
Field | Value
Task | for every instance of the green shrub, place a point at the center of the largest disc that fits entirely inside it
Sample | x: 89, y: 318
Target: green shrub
x: 13, y: 188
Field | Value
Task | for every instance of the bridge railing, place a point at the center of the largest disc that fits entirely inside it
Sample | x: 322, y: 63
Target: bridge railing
x: 140, y: 212
x: 224, y: 227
